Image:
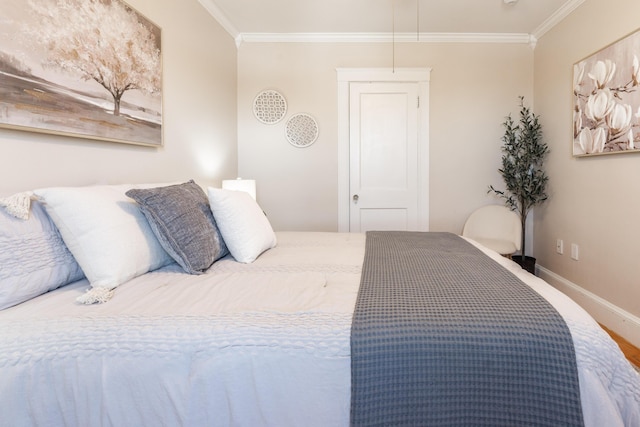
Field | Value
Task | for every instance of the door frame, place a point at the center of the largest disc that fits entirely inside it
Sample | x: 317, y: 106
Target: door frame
x: 345, y: 76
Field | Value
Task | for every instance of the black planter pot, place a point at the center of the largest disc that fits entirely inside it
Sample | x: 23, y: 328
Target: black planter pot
x: 527, y: 262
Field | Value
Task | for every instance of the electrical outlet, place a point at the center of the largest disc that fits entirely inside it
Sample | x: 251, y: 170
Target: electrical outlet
x: 559, y: 246
x: 575, y: 252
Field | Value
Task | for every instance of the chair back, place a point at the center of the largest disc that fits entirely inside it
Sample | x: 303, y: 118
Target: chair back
x: 495, y: 226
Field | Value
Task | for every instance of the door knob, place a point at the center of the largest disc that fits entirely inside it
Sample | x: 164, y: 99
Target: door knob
x: 355, y: 198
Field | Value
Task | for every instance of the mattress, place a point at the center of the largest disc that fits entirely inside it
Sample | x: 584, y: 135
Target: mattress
x: 265, y: 343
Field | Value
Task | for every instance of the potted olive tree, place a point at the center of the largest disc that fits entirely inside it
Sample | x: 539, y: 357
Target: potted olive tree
x: 522, y: 171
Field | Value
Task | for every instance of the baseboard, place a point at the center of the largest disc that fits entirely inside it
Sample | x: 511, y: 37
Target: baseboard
x: 613, y: 317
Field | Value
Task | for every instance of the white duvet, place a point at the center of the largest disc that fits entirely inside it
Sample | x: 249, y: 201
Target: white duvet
x: 261, y: 344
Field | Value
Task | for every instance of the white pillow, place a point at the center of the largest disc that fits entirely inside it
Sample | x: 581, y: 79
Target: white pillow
x: 244, y: 227
x: 105, y: 231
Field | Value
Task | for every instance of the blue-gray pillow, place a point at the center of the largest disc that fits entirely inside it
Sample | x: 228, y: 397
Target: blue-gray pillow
x: 33, y: 257
x: 181, y: 219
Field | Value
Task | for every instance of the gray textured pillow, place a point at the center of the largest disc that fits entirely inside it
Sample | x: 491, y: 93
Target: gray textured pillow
x: 181, y: 219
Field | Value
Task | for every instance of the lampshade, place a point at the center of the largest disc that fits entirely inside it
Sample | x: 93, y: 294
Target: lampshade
x: 239, y: 184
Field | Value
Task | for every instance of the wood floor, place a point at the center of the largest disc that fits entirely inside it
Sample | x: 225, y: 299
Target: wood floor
x: 632, y: 353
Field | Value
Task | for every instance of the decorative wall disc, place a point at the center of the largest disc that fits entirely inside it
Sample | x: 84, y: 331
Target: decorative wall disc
x: 302, y: 130
x: 269, y: 107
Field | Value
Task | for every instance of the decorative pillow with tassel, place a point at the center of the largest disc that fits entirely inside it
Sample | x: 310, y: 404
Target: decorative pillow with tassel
x: 107, y: 234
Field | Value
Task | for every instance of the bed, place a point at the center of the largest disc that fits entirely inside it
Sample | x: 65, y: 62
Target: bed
x: 266, y: 341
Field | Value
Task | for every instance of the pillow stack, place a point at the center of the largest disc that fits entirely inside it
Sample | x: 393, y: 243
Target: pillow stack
x: 114, y: 233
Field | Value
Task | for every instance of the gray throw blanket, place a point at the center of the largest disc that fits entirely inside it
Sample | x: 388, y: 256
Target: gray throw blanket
x: 442, y: 335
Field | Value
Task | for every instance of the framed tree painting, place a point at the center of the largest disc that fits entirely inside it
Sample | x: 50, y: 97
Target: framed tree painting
x: 606, y: 96
x: 82, y: 68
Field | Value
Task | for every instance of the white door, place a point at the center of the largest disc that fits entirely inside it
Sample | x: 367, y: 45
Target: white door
x: 383, y: 156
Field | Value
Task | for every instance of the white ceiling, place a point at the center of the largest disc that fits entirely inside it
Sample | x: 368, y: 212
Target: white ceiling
x: 349, y: 19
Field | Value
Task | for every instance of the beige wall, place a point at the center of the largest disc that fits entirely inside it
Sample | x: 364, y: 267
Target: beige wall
x: 199, y: 88
x: 594, y: 201
x: 473, y: 87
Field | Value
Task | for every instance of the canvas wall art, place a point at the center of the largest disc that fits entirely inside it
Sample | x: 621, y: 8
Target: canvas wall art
x: 606, y: 95
x: 82, y: 68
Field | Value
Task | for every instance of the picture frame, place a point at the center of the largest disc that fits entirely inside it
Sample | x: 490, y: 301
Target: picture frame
x: 606, y: 100
x: 89, y: 69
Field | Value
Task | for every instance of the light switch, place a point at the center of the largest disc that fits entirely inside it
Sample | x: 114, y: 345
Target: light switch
x: 574, y: 252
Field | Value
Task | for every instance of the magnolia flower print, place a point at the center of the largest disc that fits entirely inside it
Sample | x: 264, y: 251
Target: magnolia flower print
x: 599, y: 105
x: 602, y: 73
x: 590, y: 141
x: 619, y: 119
x: 604, y: 119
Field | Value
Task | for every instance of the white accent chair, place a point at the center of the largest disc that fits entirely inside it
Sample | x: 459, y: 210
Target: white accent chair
x: 496, y: 227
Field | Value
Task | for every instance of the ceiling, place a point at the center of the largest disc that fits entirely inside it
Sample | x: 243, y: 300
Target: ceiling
x: 348, y: 19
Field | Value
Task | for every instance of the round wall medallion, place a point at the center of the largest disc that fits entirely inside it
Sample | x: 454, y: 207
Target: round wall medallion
x: 302, y: 130
x: 269, y: 107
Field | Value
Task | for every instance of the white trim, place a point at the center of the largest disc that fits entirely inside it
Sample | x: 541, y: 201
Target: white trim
x: 613, y: 317
x: 345, y: 76
x: 518, y: 38
x: 222, y: 19
x: 564, y: 11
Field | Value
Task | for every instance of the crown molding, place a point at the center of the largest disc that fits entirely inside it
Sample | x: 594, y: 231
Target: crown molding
x: 516, y: 38
x: 564, y: 11
x: 385, y: 37
x: 222, y: 19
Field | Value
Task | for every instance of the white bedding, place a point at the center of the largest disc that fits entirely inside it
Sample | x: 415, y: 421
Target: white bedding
x: 255, y: 344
